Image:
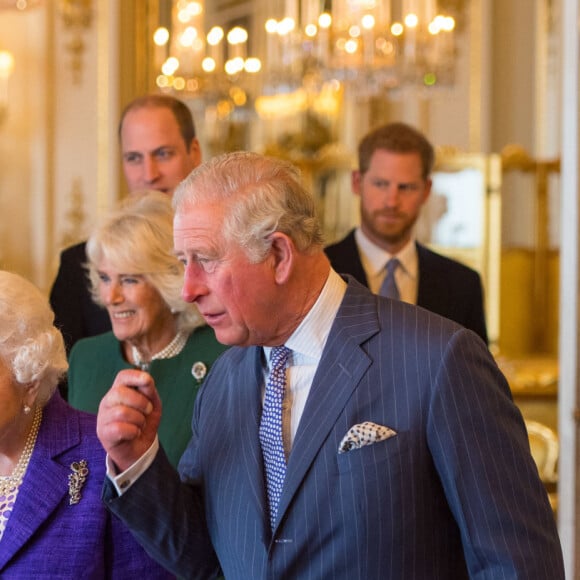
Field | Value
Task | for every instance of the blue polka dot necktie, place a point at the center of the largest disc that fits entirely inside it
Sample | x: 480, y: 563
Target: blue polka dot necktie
x: 271, y: 429
x: 389, y: 285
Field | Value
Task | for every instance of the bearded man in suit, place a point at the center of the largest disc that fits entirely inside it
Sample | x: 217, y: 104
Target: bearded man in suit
x: 393, y: 450
x: 393, y: 182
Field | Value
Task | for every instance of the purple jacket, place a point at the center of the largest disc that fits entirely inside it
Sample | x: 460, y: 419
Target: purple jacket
x: 46, y: 536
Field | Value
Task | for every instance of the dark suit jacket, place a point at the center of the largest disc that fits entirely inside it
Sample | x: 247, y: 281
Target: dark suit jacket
x: 455, y: 492
x: 446, y: 287
x: 46, y: 536
x: 76, y: 315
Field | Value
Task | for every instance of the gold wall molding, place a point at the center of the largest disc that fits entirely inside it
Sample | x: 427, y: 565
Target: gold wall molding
x: 76, y: 17
x: 75, y: 215
x: 515, y: 158
x: 138, y: 19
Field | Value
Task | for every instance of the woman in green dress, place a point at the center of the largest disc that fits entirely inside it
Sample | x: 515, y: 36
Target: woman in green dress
x: 135, y: 275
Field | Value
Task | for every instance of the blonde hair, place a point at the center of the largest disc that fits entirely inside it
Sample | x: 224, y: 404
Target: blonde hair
x: 137, y: 238
x: 30, y: 345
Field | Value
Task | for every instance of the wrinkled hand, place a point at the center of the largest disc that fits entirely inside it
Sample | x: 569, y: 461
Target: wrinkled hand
x: 128, y: 418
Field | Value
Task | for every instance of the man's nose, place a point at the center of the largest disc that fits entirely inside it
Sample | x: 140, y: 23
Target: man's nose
x: 150, y: 170
x: 392, y: 195
x: 194, y: 284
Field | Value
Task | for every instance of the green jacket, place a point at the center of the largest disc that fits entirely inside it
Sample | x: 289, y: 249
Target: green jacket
x: 95, y: 361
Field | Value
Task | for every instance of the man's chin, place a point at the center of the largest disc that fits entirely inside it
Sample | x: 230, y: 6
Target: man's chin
x: 393, y: 232
x: 229, y: 338
x: 392, y: 237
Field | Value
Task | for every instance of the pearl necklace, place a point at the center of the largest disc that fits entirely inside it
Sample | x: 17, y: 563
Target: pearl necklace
x: 171, y: 350
x: 9, y: 483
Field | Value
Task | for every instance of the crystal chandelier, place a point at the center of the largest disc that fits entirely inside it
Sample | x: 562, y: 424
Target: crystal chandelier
x: 204, y: 63
x: 367, y: 45
x: 370, y: 45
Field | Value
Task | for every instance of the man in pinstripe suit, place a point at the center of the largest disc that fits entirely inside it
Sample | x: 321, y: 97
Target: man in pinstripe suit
x: 406, y: 457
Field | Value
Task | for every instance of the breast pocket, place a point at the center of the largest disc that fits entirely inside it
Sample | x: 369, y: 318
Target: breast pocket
x: 382, y: 456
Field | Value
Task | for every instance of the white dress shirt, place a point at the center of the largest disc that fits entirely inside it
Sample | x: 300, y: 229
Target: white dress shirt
x: 374, y: 259
x: 307, y: 343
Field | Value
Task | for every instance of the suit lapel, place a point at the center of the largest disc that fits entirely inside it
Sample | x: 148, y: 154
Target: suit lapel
x: 249, y: 410
x: 341, y: 368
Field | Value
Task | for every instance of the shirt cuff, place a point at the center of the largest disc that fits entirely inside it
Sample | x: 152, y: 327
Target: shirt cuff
x: 124, y: 480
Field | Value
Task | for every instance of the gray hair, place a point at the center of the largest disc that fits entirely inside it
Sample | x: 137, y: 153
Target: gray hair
x: 30, y: 345
x: 262, y: 195
x: 137, y: 238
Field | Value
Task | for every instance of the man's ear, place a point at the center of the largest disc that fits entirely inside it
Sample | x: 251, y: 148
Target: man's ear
x: 195, y: 152
x: 355, y: 179
x: 283, y: 255
x: 427, y: 190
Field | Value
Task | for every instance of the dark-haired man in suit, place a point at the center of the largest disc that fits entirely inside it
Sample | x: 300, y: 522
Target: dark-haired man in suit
x: 159, y: 149
x: 393, y: 181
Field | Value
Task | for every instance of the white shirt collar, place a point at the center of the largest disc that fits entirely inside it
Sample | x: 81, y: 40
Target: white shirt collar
x: 374, y: 258
x: 310, y: 337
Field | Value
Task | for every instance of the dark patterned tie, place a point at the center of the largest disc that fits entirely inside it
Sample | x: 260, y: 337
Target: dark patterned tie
x: 271, y: 429
x: 389, y: 285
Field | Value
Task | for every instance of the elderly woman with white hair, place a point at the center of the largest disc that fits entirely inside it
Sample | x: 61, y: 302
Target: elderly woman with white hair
x: 136, y: 276
x: 53, y: 523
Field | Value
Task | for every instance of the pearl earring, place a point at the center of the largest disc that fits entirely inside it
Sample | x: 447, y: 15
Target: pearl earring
x: 26, y: 410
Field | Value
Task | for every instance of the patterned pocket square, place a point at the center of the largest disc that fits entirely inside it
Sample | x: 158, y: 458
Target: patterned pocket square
x: 363, y: 434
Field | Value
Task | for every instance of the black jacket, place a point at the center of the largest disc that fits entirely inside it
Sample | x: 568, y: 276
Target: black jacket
x: 76, y: 315
x: 446, y: 286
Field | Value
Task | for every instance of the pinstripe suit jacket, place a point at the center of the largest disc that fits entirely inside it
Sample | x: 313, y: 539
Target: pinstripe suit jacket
x: 454, y: 494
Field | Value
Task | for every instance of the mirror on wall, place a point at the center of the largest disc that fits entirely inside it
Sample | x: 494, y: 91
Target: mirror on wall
x: 462, y: 220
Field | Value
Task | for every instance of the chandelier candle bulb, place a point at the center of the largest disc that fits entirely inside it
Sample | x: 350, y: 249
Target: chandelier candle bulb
x: 215, y: 49
x: 272, y: 43
x: 411, y: 23
x: 291, y: 9
x: 161, y: 39
x: 324, y: 22
x: 285, y: 29
x: 237, y: 38
x: 368, y: 27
